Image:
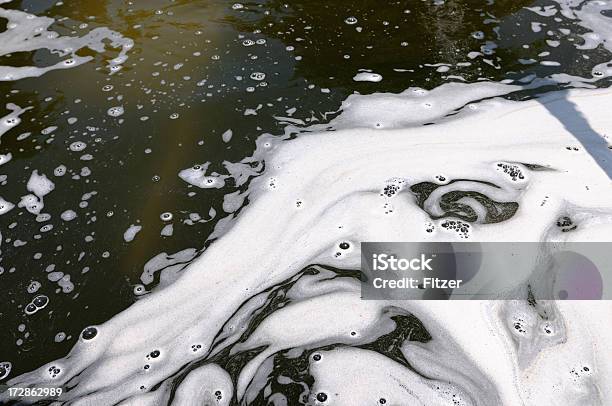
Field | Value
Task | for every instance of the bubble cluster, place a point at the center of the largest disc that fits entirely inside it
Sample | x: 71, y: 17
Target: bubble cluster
x: 393, y: 187
x: 53, y: 371
x: 514, y: 172
x: 115, y: 111
x: 461, y: 228
x: 258, y: 76
x: 38, y: 303
x: 566, y: 224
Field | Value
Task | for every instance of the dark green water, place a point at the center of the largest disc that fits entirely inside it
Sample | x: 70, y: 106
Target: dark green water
x: 178, y: 46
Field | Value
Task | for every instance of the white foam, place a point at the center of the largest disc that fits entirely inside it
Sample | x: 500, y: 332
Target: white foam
x: 227, y: 136
x: 170, y: 264
x: 196, y: 176
x: 350, y: 376
x: 367, y: 77
x: 131, y: 232
x: 40, y: 185
x: 31, y: 203
x: 26, y: 32
x: 547, y: 155
x: 5, y: 206
x: 4, y: 158
x: 415, y: 106
x: 68, y: 215
x: 591, y: 16
x: 12, y: 119
x: 209, y: 383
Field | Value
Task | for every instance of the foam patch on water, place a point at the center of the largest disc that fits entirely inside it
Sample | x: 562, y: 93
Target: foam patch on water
x: 131, y: 232
x: 594, y: 16
x: 196, y: 176
x: 27, y: 32
x: 414, y: 106
x: 12, y: 119
x: 591, y: 15
x: 367, y: 77
x: 252, y: 296
x: 5, y: 206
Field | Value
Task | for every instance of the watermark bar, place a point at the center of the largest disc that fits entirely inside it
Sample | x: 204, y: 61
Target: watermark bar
x: 486, y: 270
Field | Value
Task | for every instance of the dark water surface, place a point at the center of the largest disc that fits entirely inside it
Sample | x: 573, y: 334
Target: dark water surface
x: 188, y: 80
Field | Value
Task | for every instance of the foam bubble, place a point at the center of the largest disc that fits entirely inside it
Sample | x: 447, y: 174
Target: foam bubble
x: 40, y: 185
x: 4, y: 158
x: 12, y: 119
x: 367, y: 77
x: 115, y: 111
x: 196, y: 176
x: 68, y: 215
x: 77, y: 146
x: 5, y: 206
x: 131, y: 232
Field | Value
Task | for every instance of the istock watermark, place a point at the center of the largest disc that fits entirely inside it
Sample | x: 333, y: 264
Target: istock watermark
x: 496, y: 270
x: 389, y: 262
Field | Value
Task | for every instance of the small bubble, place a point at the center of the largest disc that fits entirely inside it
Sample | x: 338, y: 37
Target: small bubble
x: 40, y: 301
x: 34, y: 286
x: 31, y: 309
x: 478, y: 35
x: 89, y: 333
x: 115, y: 111
x: 258, y: 76
x: 77, y: 146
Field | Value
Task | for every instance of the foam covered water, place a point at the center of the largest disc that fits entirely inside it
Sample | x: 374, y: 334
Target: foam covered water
x: 341, y: 181
x: 268, y: 309
x: 28, y: 32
